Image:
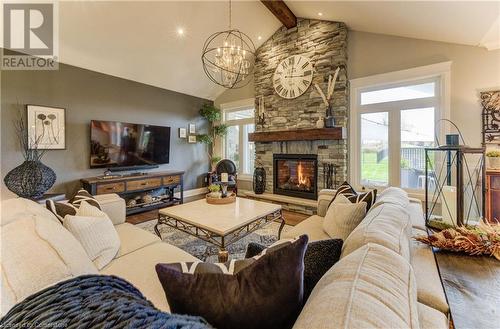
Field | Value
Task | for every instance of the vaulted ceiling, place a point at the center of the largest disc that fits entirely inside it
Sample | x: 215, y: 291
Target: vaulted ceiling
x: 140, y: 40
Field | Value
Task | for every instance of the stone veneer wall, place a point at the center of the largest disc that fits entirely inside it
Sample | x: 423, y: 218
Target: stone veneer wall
x: 325, y: 43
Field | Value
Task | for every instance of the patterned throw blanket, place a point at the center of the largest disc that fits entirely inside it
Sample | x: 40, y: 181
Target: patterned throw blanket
x: 94, y: 301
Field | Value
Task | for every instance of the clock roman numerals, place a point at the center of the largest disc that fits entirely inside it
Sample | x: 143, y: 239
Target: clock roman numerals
x: 293, y: 76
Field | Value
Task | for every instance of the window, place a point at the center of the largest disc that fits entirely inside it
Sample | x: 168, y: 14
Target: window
x: 393, y: 122
x: 240, y: 121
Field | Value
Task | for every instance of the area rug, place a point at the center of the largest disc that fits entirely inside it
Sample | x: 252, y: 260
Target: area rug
x: 207, y: 252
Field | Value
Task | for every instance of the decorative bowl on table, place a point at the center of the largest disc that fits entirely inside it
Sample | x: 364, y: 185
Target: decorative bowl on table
x: 229, y: 199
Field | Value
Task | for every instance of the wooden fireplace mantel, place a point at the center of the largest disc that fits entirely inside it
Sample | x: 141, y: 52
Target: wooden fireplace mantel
x: 335, y: 133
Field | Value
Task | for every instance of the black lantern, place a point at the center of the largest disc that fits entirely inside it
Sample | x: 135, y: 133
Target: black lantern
x: 259, y: 180
x: 454, y: 185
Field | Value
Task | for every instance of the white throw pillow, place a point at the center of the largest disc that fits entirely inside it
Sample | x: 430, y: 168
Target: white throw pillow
x: 37, y: 252
x: 96, y: 234
x: 343, y: 217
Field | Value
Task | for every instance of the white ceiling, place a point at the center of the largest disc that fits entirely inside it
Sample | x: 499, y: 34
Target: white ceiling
x: 138, y: 40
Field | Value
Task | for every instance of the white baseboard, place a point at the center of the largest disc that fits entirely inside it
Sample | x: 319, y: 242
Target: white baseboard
x: 193, y: 192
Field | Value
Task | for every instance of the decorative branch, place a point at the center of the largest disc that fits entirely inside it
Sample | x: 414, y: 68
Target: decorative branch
x: 330, y: 88
x: 29, y: 146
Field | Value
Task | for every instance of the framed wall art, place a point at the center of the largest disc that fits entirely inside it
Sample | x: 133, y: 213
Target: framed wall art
x: 192, y: 128
x: 490, y: 100
x: 192, y: 139
x: 46, y: 127
x: 182, y: 133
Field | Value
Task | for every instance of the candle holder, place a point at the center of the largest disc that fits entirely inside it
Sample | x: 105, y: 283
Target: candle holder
x: 224, y: 189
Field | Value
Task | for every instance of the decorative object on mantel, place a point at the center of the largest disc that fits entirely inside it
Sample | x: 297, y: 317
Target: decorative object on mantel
x: 212, y: 114
x: 329, y: 119
x: 46, y: 125
x: 228, y: 57
x: 261, y: 116
x: 483, y: 239
x: 493, y: 159
x: 259, y: 180
x: 320, y: 123
x: 454, y: 183
x: 490, y: 101
x: 32, y: 178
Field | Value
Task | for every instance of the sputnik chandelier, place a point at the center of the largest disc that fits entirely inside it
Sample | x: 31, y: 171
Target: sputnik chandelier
x: 228, y: 57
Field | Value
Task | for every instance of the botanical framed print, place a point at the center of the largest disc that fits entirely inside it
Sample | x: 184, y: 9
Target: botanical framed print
x: 192, y: 139
x: 192, y: 128
x: 46, y: 127
x: 182, y: 133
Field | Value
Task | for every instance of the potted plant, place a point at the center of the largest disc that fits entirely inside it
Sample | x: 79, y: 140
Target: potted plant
x: 214, y: 191
x: 493, y: 159
x: 215, y: 130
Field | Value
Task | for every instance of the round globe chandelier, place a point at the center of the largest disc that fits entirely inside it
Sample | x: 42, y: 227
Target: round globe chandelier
x: 228, y: 57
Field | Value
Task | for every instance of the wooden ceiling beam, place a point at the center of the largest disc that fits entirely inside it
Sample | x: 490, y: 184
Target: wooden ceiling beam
x: 282, y: 12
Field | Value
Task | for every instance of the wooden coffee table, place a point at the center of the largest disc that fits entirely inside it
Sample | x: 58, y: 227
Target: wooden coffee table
x: 220, y: 225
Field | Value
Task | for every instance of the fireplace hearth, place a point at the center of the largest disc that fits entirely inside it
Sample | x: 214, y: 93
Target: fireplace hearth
x: 296, y: 175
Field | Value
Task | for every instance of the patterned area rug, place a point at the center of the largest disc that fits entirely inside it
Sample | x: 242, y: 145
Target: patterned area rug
x: 207, y: 252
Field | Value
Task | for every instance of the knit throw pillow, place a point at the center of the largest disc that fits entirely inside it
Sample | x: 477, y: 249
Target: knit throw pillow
x: 264, y: 292
x: 61, y: 209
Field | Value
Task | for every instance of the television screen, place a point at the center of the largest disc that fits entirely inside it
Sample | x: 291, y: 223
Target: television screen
x: 119, y: 144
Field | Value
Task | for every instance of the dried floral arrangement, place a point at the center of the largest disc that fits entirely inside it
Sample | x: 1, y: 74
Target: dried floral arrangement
x: 329, y: 90
x: 483, y: 239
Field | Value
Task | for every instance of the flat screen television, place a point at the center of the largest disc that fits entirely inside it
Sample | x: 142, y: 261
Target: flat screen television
x: 128, y: 146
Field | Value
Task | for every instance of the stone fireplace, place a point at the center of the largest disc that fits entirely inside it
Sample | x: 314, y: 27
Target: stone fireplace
x: 289, y: 128
x: 296, y: 175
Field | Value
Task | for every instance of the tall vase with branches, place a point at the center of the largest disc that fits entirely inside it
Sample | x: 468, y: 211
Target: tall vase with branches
x: 216, y: 130
x: 32, y: 178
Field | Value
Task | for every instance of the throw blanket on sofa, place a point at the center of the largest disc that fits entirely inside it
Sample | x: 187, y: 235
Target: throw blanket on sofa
x: 94, y: 301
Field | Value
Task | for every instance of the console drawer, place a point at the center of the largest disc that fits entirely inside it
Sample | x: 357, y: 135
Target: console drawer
x: 110, y: 188
x: 169, y: 180
x: 142, y: 184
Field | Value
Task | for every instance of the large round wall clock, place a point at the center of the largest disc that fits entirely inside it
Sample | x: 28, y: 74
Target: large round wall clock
x: 293, y: 76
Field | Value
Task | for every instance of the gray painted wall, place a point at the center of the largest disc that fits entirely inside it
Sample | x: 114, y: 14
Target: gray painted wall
x: 88, y: 95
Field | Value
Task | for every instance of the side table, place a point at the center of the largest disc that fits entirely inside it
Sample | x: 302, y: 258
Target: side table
x: 472, y: 287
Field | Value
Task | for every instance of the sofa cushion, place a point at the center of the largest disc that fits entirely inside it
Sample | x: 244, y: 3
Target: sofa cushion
x: 312, y: 226
x: 138, y: 268
x: 342, y: 217
x: 265, y: 291
x: 95, y: 232
x: 16, y: 208
x: 387, y: 225
x: 373, y: 287
x: 133, y: 238
x: 417, y: 215
x: 429, y: 288
x: 114, y: 206
x: 38, y: 252
x: 394, y: 195
x: 430, y: 318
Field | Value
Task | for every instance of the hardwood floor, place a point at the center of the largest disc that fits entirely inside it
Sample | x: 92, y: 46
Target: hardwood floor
x: 291, y: 218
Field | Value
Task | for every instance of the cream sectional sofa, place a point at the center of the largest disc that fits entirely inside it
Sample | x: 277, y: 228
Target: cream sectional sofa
x: 139, y: 252
x: 380, y: 247
x: 372, y: 286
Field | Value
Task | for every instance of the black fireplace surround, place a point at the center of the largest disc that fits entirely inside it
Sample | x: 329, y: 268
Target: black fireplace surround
x: 296, y: 175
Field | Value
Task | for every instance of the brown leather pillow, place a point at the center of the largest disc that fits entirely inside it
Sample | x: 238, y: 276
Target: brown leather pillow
x: 264, y: 292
